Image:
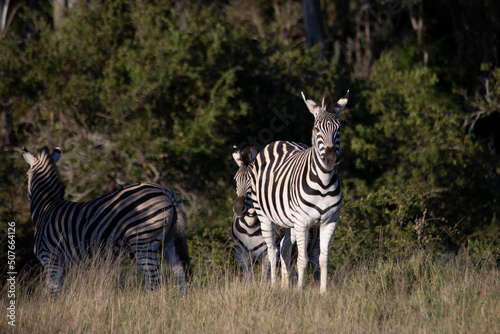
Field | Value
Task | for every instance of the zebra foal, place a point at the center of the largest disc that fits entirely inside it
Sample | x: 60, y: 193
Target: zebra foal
x: 142, y: 218
x: 298, y: 187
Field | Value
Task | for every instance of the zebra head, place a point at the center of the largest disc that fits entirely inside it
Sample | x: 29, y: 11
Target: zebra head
x: 326, y: 134
x: 243, y: 179
x: 43, y: 175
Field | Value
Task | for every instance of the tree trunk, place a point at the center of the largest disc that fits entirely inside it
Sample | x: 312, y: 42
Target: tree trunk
x: 59, y: 6
x: 313, y: 25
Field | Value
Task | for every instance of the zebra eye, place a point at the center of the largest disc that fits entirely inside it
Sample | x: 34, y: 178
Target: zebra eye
x: 316, y: 128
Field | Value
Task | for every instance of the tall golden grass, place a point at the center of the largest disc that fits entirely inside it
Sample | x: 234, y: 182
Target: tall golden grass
x: 418, y: 294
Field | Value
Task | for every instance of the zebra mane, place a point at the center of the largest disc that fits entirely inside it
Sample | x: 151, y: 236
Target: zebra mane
x: 44, y: 155
x: 327, y: 104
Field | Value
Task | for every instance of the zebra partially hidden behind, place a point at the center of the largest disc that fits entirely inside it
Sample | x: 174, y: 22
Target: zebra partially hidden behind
x: 142, y: 218
x: 249, y: 244
x: 298, y: 187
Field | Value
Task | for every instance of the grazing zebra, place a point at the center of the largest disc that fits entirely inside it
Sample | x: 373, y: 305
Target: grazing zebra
x: 141, y: 218
x: 249, y: 244
x: 298, y: 188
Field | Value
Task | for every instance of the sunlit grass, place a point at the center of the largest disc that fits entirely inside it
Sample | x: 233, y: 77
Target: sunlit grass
x: 418, y: 294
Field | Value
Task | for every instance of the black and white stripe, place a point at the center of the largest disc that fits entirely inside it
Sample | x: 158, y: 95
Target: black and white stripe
x: 298, y: 187
x: 142, y: 218
x: 249, y: 244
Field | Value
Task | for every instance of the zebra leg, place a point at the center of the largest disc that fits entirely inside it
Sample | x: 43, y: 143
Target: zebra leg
x: 147, y: 260
x: 293, y: 259
x: 170, y: 254
x: 269, y: 235
x: 301, y: 234
x: 266, y: 268
x: 286, y: 255
x: 313, y: 253
x: 54, y: 272
x: 314, y: 260
x: 245, y: 261
x: 325, y: 237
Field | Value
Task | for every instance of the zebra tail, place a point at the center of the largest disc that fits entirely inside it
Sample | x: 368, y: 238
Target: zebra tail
x: 180, y: 241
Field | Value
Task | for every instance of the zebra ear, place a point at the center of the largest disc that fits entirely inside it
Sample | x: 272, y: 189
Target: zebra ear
x: 341, y: 103
x: 253, y: 154
x: 327, y: 104
x: 56, y: 154
x: 29, y: 157
x: 311, y: 105
x: 237, y: 156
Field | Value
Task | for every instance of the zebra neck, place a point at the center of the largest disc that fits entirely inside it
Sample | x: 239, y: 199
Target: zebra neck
x: 43, y: 207
x: 319, y: 170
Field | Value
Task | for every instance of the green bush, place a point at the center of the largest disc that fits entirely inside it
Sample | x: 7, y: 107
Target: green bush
x: 408, y: 159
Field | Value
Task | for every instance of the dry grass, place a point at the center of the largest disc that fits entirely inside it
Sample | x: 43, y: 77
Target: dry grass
x: 415, y: 295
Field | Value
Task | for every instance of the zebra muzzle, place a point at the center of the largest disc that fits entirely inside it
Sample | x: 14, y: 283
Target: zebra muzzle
x: 239, y: 207
x: 330, y: 158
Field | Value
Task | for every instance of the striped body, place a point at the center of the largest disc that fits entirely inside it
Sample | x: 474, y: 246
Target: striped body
x: 142, y: 218
x: 297, y: 187
x: 249, y: 244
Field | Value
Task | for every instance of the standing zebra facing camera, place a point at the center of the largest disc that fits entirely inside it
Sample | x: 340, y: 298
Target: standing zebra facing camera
x: 142, y: 218
x: 297, y: 187
x: 249, y: 244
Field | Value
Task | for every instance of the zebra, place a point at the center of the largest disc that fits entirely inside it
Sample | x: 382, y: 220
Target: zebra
x: 298, y: 187
x: 140, y: 218
x: 249, y: 244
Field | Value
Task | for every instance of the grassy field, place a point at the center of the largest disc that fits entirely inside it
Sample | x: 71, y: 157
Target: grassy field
x: 418, y: 294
